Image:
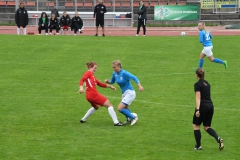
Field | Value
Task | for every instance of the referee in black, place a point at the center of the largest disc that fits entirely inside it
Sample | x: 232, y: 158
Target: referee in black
x: 99, y: 11
x: 203, y: 111
x: 142, y: 18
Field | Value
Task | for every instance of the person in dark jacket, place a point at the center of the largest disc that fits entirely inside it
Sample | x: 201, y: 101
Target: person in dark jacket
x: 53, y: 24
x: 21, y: 18
x: 77, y: 24
x: 99, y: 11
x: 55, y: 12
x: 43, y: 23
x: 142, y: 18
x: 65, y: 23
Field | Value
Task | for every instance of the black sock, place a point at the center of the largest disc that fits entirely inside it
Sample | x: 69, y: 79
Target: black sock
x: 197, y: 135
x: 212, y: 133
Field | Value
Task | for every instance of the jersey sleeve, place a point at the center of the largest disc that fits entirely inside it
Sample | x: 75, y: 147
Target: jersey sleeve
x: 101, y: 84
x: 210, y: 35
x: 196, y: 87
x: 130, y: 76
x: 84, y: 77
x: 95, y: 11
x: 112, y: 80
x: 105, y: 10
x: 201, y: 37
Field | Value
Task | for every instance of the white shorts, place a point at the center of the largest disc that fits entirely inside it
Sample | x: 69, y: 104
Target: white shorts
x: 128, y: 96
x: 208, y: 51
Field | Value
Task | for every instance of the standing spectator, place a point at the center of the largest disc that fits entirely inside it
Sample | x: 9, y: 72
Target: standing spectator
x: 92, y: 95
x: 99, y: 11
x: 65, y: 23
x: 142, y: 18
x: 204, y: 111
x: 21, y: 18
x: 43, y: 23
x: 77, y: 24
x: 53, y: 24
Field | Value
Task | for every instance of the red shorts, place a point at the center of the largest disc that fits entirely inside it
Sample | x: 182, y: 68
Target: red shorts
x: 96, y: 100
x: 65, y: 27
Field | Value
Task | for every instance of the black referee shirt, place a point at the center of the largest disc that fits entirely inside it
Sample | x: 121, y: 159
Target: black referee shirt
x: 97, y: 11
x: 204, y: 88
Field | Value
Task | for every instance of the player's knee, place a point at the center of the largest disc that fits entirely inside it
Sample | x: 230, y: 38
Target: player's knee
x: 205, y: 128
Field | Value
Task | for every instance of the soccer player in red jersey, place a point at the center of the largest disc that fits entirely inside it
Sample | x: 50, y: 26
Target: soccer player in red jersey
x: 92, y: 95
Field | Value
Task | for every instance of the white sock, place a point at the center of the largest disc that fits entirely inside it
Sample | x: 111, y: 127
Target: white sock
x: 61, y: 31
x: 24, y: 31
x: 79, y: 30
x: 89, y: 113
x: 113, y: 114
x: 69, y: 31
x: 18, y: 31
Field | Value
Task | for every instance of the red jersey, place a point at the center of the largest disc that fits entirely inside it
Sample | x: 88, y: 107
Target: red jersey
x: 91, y: 83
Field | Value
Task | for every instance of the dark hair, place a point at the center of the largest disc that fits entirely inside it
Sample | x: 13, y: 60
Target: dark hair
x: 90, y: 64
x: 200, y: 73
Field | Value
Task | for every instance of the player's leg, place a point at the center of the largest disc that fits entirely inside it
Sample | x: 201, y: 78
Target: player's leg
x: 61, y: 29
x: 97, y: 24
x: 75, y: 29
x: 197, y: 121
x: 89, y: 112
x: 207, y: 126
x: 50, y: 29
x: 69, y: 30
x: 18, y: 30
x: 208, y: 52
x: 39, y: 29
x: 57, y: 28
x: 138, y: 27
x: 112, y: 113
x: 202, y: 55
x: 103, y: 28
x: 46, y: 29
x: 24, y: 30
x: 144, y: 27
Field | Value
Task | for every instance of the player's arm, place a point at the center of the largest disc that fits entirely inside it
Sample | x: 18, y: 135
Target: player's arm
x: 105, y: 85
x: 82, y: 80
x: 131, y: 76
x: 143, y: 10
x: 26, y: 18
x: 95, y: 12
x: 201, y: 37
x: 104, y: 9
x: 112, y: 80
x: 210, y: 35
x: 198, y: 98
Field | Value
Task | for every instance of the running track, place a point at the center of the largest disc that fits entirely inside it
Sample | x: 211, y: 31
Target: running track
x: 131, y: 31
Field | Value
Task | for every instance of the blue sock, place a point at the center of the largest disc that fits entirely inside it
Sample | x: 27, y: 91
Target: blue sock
x: 127, y: 113
x: 200, y: 64
x: 216, y: 60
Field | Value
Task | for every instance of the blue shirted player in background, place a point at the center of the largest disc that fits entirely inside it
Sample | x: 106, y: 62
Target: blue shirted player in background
x: 122, y: 78
x: 205, y: 38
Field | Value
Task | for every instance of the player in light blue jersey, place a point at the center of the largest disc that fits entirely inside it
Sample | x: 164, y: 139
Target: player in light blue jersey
x: 205, y: 38
x: 122, y: 78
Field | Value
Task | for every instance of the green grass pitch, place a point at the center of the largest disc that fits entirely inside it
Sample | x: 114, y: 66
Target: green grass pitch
x: 40, y: 106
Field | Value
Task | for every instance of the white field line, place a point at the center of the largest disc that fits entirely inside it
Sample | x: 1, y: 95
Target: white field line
x: 179, y: 105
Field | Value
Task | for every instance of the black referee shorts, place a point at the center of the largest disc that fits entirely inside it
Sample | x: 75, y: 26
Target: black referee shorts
x: 206, y: 114
x: 100, y: 22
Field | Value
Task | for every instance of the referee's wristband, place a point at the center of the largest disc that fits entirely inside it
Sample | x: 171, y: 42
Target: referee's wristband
x: 196, y: 110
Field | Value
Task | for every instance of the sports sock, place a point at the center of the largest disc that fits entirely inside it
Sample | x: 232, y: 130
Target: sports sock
x: 24, y: 31
x: 69, y: 31
x: 212, y: 133
x: 61, y: 31
x: 79, y: 30
x: 89, y: 113
x: 200, y: 64
x: 112, y: 113
x: 126, y: 113
x: 216, y: 60
x: 197, y: 135
x: 18, y: 31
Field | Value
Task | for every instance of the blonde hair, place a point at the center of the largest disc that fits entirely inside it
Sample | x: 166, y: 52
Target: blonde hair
x: 117, y: 62
x: 204, y: 26
x: 90, y: 64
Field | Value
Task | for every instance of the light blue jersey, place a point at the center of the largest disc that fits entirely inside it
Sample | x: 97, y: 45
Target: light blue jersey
x: 205, y: 38
x: 123, y: 80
